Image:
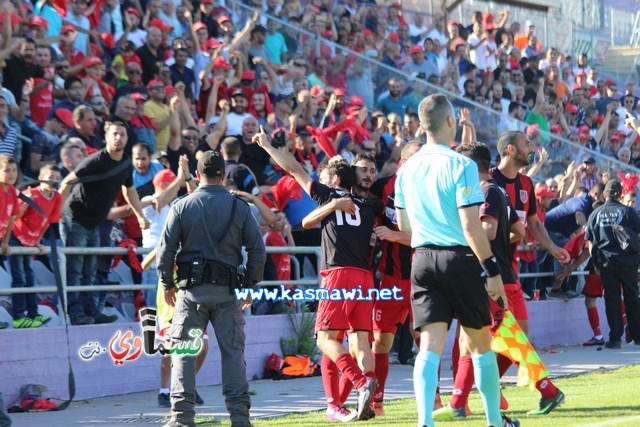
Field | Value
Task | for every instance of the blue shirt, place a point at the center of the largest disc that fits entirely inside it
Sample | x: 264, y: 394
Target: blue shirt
x: 390, y: 105
x: 139, y: 179
x: 562, y: 218
x: 432, y: 186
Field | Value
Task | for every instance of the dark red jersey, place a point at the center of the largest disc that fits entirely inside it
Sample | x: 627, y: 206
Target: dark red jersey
x: 396, y: 258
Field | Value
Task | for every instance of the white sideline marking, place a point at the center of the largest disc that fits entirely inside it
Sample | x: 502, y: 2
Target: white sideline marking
x: 614, y: 422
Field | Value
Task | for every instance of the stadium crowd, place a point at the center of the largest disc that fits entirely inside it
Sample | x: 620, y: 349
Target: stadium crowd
x: 176, y: 78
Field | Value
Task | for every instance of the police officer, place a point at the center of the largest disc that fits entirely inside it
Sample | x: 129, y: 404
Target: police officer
x: 612, y: 232
x: 437, y: 201
x: 204, y: 236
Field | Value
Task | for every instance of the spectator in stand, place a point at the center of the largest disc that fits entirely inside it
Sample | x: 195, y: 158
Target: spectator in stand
x: 181, y: 73
x: 159, y: 113
x: 20, y: 67
x: 133, y: 32
x: 85, y: 128
x: 28, y: 228
x: 142, y: 125
x: 125, y: 109
x: 522, y: 40
x: 133, y: 71
x: 419, y: 63
x: 71, y: 155
x: 394, y: 103
x: 318, y: 77
x: 238, y: 113
x: 74, y: 94
x: 87, y: 207
x: 8, y: 134
x: 150, y: 53
x: 45, y: 142
x: 275, y: 44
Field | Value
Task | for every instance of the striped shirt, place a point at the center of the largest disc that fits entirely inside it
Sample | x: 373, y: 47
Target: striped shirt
x: 9, y: 142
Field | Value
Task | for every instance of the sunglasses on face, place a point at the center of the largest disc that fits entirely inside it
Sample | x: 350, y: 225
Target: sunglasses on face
x: 190, y: 137
x: 134, y: 72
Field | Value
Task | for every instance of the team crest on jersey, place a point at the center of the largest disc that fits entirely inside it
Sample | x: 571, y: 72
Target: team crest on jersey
x: 524, y: 196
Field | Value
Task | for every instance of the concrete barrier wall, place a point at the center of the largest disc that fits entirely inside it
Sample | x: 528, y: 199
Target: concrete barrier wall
x: 39, y: 356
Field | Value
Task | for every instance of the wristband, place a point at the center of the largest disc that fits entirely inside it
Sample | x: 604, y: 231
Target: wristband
x: 490, y: 267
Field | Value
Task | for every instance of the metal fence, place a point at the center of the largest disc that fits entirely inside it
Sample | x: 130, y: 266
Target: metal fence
x: 63, y: 252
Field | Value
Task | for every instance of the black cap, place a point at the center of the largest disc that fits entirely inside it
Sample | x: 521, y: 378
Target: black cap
x: 590, y: 160
x: 238, y: 92
x: 613, y: 188
x: 211, y: 164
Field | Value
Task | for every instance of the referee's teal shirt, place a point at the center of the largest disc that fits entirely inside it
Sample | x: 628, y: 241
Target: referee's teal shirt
x: 431, y: 186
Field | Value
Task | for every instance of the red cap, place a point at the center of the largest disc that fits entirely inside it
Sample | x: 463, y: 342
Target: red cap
x: 356, y: 101
x: 327, y: 33
x: 353, y: 110
x: 165, y: 175
x: 108, y: 40
x: 489, y: 27
x: 556, y: 128
x: 169, y: 90
x: 571, y: 108
x: 609, y: 83
x: 160, y: 24
x: 598, y: 120
x: 543, y: 191
x: 137, y: 96
x: 154, y: 82
x: 487, y: 18
x: 416, y: 48
x: 581, y: 74
x: 38, y: 21
x: 224, y: 18
x: 583, y: 129
x: 220, y: 62
x: 93, y: 60
x: 132, y: 10
x: 394, y: 37
x: 197, y: 26
x: 452, y: 22
x: 615, y: 137
x: 212, y: 43
x: 248, y: 75
x: 533, y: 129
x: 206, y: 1
x: 584, y: 135
x: 67, y: 28
x: 339, y: 92
x: 367, y: 33
x: 65, y: 116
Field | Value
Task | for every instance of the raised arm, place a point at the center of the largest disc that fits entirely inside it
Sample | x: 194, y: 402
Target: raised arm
x: 315, y: 217
x: 285, y: 160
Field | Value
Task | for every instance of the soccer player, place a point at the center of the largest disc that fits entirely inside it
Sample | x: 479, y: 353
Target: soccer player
x: 437, y: 200
x: 346, y: 264
x: 395, y: 267
x: 516, y: 151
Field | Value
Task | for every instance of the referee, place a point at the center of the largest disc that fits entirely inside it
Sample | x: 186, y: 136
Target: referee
x: 438, y: 196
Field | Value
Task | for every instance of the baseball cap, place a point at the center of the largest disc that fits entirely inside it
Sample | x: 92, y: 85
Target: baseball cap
x: 529, y: 23
x: 137, y: 96
x: 238, y: 92
x: 211, y: 164
x: 223, y: 18
x: 367, y: 33
x: 38, y: 21
x: 67, y: 29
x: 590, y: 161
x: 109, y: 41
x: 154, y: 82
x: 583, y: 129
x: 160, y: 24
x: 93, y: 60
x: 65, y: 116
x: 199, y: 26
x: 206, y: 2
x: 165, y: 175
x: 613, y: 188
x: 220, y: 62
x: 543, y: 191
x: 416, y: 48
x: 356, y: 101
x: 132, y: 10
x: 339, y: 92
x: 584, y: 135
x: 571, y: 108
x: 533, y: 129
x: 280, y: 98
x: 394, y: 37
x: 213, y: 120
x: 248, y: 75
x: 556, y: 128
x: 212, y: 43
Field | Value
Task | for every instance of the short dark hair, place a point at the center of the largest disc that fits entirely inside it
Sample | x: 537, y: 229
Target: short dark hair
x: 51, y: 168
x: 259, y: 29
x: 363, y: 156
x: 513, y: 106
x: 478, y: 152
x: 506, y: 139
x: 231, y: 146
x: 143, y: 146
x: 71, y: 80
x: 433, y: 112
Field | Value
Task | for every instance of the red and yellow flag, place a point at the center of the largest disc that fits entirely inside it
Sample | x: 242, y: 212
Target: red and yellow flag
x: 510, y: 341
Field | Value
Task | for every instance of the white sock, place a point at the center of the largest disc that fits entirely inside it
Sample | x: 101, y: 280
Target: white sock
x: 164, y: 391
x: 598, y: 337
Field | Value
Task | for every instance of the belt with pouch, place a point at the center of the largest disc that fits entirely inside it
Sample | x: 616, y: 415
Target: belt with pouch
x: 213, y: 273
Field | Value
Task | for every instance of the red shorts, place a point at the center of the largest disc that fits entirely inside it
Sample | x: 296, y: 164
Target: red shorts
x: 515, y: 299
x: 389, y: 313
x: 593, y: 286
x: 344, y: 314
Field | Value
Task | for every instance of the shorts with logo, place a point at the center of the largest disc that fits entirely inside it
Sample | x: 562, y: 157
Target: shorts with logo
x: 448, y: 280
x: 515, y: 300
x: 388, y: 314
x: 593, y: 286
x: 343, y: 314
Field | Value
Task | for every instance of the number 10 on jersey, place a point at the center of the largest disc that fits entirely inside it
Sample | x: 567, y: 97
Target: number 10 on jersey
x: 353, y: 220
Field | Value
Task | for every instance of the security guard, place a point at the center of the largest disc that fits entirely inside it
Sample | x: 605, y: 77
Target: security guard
x: 204, y: 236
x: 612, y: 232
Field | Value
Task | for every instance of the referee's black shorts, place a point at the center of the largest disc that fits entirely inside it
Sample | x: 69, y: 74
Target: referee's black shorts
x: 447, y: 281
